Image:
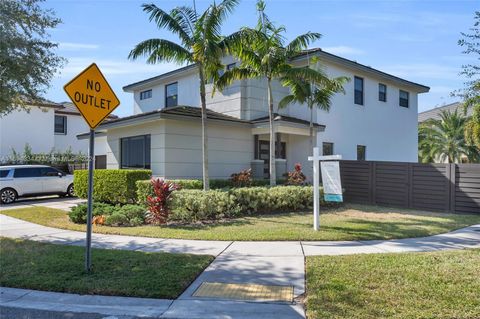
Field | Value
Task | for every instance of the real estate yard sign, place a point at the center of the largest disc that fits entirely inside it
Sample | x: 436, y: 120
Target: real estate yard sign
x: 95, y: 99
x: 332, y: 186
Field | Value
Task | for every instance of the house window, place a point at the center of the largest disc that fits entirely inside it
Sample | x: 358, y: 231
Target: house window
x: 404, y: 96
x: 382, y: 92
x: 171, y: 94
x: 231, y: 66
x: 60, y: 124
x: 145, y: 94
x: 361, y: 152
x: 327, y: 148
x: 135, y: 152
x: 358, y: 90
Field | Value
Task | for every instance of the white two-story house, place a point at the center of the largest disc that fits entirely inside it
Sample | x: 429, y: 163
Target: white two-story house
x: 45, y: 126
x: 376, y: 119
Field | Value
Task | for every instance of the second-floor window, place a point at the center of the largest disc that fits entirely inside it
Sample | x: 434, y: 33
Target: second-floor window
x: 60, y: 124
x: 171, y: 94
x: 327, y: 148
x: 361, y: 152
x: 382, y: 92
x: 404, y: 97
x: 358, y: 90
x: 145, y: 94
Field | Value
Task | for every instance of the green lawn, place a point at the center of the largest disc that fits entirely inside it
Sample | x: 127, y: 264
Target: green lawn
x: 33, y: 265
x: 350, y: 222
x: 410, y: 285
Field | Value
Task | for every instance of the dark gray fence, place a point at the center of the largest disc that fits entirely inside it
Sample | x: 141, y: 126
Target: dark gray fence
x: 436, y: 187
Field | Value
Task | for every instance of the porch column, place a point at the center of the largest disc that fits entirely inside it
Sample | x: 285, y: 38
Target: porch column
x: 278, y: 145
x: 255, y: 146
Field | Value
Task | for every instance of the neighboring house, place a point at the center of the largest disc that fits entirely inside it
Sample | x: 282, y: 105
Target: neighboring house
x: 45, y: 127
x: 435, y: 112
x: 375, y: 120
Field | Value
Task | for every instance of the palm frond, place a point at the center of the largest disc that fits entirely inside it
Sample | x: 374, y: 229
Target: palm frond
x: 301, y: 43
x: 165, y: 20
x: 160, y: 50
x: 233, y: 75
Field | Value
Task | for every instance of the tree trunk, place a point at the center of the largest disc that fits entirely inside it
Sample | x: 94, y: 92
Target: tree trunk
x: 206, y: 184
x: 273, y: 175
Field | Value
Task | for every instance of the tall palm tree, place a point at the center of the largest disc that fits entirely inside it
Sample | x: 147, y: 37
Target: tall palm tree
x: 200, y: 39
x: 313, y: 95
x: 263, y: 54
x: 443, y: 139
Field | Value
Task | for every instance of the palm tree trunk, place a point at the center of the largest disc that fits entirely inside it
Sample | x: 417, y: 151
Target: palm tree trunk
x: 273, y: 175
x: 206, y: 184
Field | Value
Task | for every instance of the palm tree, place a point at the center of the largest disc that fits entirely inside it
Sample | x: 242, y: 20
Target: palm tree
x: 263, y: 54
x: 200, y: 39
x: 313, y: 95
x: 443, y: 139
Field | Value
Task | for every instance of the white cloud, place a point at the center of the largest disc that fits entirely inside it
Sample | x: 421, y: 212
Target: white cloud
x: 343, y: 49
x: 115, y: 67
x: 71, y: 46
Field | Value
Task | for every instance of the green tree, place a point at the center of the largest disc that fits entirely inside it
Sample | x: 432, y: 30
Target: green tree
x: 27, y: 58
x: 443, y: 139
x: 200, y: 39
x: 312, y: 94
x: 471, y: 94
x: 263, y: 54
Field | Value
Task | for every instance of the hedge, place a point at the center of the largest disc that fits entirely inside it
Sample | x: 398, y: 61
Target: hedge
x: 127, y: 215
x: 195, y: 205
x: 144, y: 188
x: 116, y: 186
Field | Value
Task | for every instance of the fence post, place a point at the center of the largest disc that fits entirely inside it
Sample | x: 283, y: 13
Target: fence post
x: 373, y: 182
x: 410, y: 185
x: 452, y: 183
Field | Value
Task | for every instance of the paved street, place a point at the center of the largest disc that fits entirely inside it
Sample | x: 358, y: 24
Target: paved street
x: 268, y: 263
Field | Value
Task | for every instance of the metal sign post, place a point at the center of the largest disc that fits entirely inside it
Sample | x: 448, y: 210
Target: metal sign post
x: 95, y: 99
x: 91, y: 166
x: 316, y: 158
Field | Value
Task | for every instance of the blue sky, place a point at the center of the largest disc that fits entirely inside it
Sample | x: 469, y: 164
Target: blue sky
x: 415, y: 40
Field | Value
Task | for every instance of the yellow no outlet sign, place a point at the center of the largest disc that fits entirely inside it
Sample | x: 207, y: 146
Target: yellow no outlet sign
x: 92, y: 95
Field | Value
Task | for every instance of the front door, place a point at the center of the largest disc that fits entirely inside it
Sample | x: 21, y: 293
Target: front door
x: 264, y: 154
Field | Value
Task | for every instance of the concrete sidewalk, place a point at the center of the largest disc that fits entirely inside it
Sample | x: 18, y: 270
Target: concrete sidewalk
x: 268, y: 263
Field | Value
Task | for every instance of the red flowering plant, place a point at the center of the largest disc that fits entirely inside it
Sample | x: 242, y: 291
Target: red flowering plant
x: 296, y: 177
x: 158, y: 210
x: 242, y: 178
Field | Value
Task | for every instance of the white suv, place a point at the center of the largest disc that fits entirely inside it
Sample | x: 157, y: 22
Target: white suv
x: 33, y: 180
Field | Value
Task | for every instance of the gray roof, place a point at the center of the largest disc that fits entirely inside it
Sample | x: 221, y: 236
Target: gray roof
x: 284, y: 118
x: 70, y: 109
x: 315, y: 51
x: 435, y: 112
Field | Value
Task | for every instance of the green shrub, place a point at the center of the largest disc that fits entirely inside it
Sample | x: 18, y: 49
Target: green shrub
x: 78, y: 214
x: 196, y: 205
x: 188, y: 183
x: 127, y: 215
x: 116, y: 186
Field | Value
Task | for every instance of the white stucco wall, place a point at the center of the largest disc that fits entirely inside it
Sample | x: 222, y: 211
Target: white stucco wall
x: 75, y: 125
x: 35, y: 128
x: 176, y: 149
x: 388, y: 130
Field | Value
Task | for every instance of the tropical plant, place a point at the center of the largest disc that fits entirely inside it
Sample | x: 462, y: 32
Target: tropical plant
x: 471, y: 93
x: 158, y: 204
x: 443, y: 139
x: 199, y: 44
x: 242, y: 178
x: 296, y: 177
x: 262, y: 53
x: 313, y: 94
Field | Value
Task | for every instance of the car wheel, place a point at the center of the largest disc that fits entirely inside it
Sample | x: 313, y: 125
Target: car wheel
x: 71, y: 190
x: 8, y: 195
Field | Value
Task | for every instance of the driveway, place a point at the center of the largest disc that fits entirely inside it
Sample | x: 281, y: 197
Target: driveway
x: 63, y: 203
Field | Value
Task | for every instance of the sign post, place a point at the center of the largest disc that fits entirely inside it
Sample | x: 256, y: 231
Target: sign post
x: 95, y: 99
x: 316, y: 158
